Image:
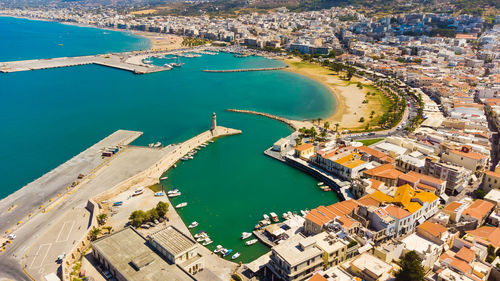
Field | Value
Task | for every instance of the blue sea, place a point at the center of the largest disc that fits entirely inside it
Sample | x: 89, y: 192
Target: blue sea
x: 48, y: 116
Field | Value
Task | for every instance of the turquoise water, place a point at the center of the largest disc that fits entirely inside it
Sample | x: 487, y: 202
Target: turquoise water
x: 50, y: 115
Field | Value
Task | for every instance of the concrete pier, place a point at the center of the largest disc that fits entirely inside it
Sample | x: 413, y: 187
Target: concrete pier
x: 247, y: 69
x: 295, y: 124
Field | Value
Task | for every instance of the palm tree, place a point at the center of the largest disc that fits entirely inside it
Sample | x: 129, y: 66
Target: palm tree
x: 94, y: 233
x: 319, y: 120
x: 108, y: 228
x: 101, y: 218
x: 326, y: 125
x: 337, y: 127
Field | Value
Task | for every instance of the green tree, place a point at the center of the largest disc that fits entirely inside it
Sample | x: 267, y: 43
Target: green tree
x: 362, y: 119
x: 101, y: 218
x: 326, y: 125
x: 411, y: 268
x: 94, y: 232
x: 108, y: 229
x: 162, y: 208
x: 350, y: 73
x: 337, y: 127
x: 137, y: 218
x: 152, y: 215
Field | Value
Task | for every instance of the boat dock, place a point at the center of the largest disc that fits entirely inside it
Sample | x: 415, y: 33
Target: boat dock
x: 121, y: 61
x: 247, y: 69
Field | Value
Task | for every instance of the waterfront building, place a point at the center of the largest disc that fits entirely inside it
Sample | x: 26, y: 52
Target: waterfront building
x: 304, y: 151
x: 319, y: 218
x: 127, y: 255
x: 281, y: 145
x: 177, y: 248
x: 369, y: 154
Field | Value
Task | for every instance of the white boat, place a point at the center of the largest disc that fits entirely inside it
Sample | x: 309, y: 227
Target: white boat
x: 266, y: 217
x: 303, y: 212
x: 320, y: 183
x: 158, y: 194
x: 181, y: 205
x: 285, y: 216
x: 201, y: 239
x: 190, y: 157
x: 158, y: 144
x: 218, y: 248
x: 251, y: 242
x: 175, y: 194
x: 138, y: 191
x: 200, y: 234
x: 163, y: 178
x: 175, y: 190
x: 245, y: 235
x: 207, y: 242
x: 235, y: 256
x: 151, y: 144
x: 185, y: 158
x: 211, y: 141
x: 274, y: 217
x: 290, y: 215
x: 193, y: 224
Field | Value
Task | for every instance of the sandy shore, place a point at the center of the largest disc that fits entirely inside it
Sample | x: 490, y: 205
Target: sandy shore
x: 161, y: 41
x: 349, y: 106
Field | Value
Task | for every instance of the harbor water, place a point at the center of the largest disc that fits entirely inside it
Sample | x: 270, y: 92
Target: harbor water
x: 50, y: 115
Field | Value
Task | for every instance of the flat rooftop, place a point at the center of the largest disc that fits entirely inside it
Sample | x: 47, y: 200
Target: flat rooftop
x: 127, y: 251
x: 293, y: 253
x: 172, y: 240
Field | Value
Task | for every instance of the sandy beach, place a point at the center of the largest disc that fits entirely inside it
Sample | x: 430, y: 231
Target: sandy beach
x: 349, y: 106
x: 161, y: 41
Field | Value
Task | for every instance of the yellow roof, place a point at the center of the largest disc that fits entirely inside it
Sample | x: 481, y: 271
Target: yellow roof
x: 350, y: 161
x: 404, y: 195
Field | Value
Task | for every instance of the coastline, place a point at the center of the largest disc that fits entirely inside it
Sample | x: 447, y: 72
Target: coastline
x: 157, y: 41
x: 349, y: 98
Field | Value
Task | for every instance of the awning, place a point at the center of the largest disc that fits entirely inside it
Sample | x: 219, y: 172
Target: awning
x: 444, y: 197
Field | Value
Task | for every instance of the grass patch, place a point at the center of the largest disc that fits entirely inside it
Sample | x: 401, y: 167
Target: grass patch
x: 156, y: 188
x: 370, y: 141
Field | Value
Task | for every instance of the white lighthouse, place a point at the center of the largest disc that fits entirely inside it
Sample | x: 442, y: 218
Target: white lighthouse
x: 214, y: 122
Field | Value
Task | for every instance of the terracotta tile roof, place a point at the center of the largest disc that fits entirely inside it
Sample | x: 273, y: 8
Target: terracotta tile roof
x: 384, y: 171
x: 368, y: 201
x: 350, y: 161
x: 304, y: 146
x: 375, y: 183
x: 426, y: 187
x: 434, y: 229
x: 397, y: 212
x: 375, y: 153
x: 453, y: 206
x: 479, y: 209
x: 492, y: 174
x: 420, y: 176
x: 470, y: 154
x: 487, y: 235
x: 317, y: 277
x: 322, y: 215
x: 466, y: 254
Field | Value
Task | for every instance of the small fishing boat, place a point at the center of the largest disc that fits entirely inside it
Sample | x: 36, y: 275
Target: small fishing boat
x: 211, y: 141
x: 251, y: 242
x: 303, y: 212
x: 226, y: 252
x: 193, y: 224
x: 190, y: 157
x: 285, y: 216
x: 158, y: 194
x: 235, y: 256
x: 320, y: 183
x: 201, y: 239
x: 138, y: 191
x: 119, y: 203
x: 245, y: 235
x: 218, y: 248
x: 175, y: 190
x: 200, y: 234
x: 266, y: 217
x: 274, y: 217
x: 175, y: 194
x: 327, y: 189
x: 163, y: 178
x: 290, y: 215
x: 207, y: 242
x: 158, y: 144
x: 181, y: 205
x: 151, y: 144
x: 185, y: 158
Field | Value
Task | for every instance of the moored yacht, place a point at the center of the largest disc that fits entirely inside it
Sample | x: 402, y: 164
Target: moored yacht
x: 245, y: 235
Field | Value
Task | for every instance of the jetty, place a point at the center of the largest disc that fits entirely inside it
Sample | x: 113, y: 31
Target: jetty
x: 54, y: 213
x: 295, y: 124
x: 246, y: 69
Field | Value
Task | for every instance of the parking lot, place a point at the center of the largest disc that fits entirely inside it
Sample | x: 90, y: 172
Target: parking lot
x: 41, y: 258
